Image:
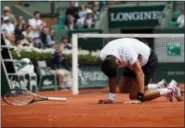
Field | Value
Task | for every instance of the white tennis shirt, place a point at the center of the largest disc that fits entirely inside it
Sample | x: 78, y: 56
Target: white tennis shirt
x: 127, y: 50
x: 35, y: 23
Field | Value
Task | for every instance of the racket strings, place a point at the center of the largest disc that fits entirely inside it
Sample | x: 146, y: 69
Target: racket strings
x: 18, y: 98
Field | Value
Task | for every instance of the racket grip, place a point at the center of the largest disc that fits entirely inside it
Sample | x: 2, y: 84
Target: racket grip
x: 57, y: 98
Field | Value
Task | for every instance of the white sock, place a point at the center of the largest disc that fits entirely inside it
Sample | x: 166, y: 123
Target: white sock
x: 152, y: 86
x: 165, y: 91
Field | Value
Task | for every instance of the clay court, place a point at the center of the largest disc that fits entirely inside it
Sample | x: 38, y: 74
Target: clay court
x: 83, y: 111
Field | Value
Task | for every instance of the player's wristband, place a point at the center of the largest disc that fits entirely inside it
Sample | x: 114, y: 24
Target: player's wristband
x: 140, y: 96
x: 112, y: 96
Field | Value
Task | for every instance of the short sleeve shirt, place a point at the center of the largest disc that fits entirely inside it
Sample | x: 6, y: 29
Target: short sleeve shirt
x: 35, y: 23
x: 127, y: 50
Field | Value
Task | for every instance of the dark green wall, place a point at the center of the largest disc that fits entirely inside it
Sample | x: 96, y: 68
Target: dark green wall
x: 88, y: 43
x: 169, y: 30
x: 170, y: 71
x: 95, y: 43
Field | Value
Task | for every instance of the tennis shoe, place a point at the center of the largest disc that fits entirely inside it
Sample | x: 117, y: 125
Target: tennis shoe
x: 162, y: 84
x: 176, y: 92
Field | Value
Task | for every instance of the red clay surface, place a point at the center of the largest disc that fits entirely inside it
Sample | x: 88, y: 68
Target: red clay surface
x: 83, y: 111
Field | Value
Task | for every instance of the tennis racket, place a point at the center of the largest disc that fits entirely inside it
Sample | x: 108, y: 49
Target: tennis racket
x: 20, y: 97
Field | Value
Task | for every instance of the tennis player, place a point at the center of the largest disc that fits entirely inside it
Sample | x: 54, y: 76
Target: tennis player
x: 139, y: 62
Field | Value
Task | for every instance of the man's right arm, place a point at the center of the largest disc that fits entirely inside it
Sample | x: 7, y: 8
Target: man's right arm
x: 111, y: 81
x: 112, y: 92
x: 112, y: 85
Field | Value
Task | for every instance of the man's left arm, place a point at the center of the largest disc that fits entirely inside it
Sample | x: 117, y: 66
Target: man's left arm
x: 136, y: 67
x: 134, y: 64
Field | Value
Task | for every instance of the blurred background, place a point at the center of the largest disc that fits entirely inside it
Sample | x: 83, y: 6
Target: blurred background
x: 38, y: 39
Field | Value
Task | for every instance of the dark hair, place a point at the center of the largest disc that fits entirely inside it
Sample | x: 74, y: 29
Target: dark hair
x: 36, y: 12
x: 109, y: 66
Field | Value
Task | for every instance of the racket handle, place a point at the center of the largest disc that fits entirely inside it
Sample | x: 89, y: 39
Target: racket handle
x: 57, y: 98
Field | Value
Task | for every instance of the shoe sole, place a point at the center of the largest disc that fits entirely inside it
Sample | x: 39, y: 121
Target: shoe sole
x: 175, y: 95
x: 164, y: 84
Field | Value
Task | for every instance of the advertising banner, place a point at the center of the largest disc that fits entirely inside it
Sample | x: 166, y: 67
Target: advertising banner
x: 140, y: 16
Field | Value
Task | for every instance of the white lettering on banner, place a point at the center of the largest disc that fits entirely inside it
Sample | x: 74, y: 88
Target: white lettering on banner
x: 92, y: 76
x: 176, y: 73
x: 128, y: 16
